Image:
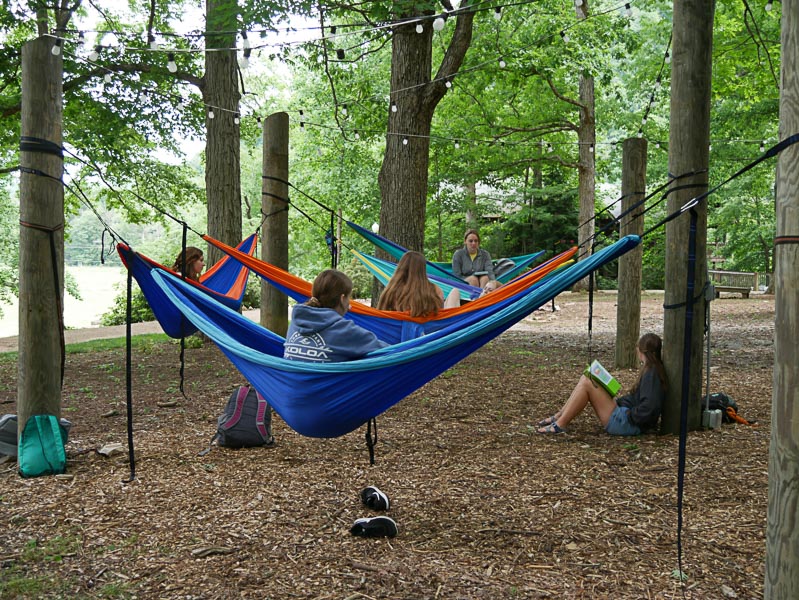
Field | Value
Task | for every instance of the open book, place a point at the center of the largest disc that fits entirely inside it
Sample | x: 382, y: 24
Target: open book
x: 600, y: 375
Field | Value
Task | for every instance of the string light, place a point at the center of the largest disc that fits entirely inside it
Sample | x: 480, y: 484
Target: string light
x: 404, y: 141
x: 640, y: 133
x: 393, y: 107
x: 565, y: 36
x: 56, y: 49
x: 211, y: 114
x: 438, y: 23
x: 152, y: 42
x: 628, y: 12
x: 245, y: 43
x: 236, y: 118
x: 107, y: 78
x: 344, y: 109
x: 357, y: 135
x: 591, y: 148
x: 578, y: 3
x: 340, y: 53
x: 244, y: 61
x: 95, y: 54
x: 171, y: 66
x: 667, y: 58
x: 448, y: 83
x: 769, y: 6
x: 419, y: 28
x: 497, y: 13
x: 457, y: 145
x: 502, y: 63
x: 762, y: 147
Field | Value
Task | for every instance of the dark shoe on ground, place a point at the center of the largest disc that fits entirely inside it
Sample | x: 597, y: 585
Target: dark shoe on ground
x: 374, y: 527
x: 551, y: 428
x: 374, y: 498
x: 547, y: 421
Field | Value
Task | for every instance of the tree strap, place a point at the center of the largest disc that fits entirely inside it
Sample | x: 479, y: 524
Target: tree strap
x: 371, y: 441
x: 34, y: 144
x: 786, y: 239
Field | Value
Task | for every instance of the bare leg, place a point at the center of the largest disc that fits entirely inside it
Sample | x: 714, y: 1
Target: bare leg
x: 483, y: 280
x: 472, y: 280
x: 453, y: 298
x: 585, y: 392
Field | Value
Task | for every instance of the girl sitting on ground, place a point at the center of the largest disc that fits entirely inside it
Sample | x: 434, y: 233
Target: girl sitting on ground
x: 627, y: 415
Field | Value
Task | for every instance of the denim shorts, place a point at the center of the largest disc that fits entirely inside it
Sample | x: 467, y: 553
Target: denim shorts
x: 619, y: 423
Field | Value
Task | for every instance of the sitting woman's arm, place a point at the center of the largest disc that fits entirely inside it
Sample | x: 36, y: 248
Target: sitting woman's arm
x: 645, y: 412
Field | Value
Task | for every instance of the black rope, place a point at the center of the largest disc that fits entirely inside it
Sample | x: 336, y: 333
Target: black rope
x: 129, y: 380
x: 183, y: 320
x: 371, y: 441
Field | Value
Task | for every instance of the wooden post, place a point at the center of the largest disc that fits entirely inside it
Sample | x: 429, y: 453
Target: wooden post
x: 689, y: 149
x: 628, y: 305
x: 782, y: 552
x: 275, y: 245
x: 41, y: 210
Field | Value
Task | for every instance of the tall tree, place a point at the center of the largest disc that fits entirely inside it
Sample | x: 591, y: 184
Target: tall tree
x: 782, y: 553
x: 689, y: 142
x: 404, y: 174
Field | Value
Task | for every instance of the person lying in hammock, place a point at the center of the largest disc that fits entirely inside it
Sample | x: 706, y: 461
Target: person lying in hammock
x: 190, y: 263
x: 318, y: 331
x: 627, y: 415
x: 410, y: 290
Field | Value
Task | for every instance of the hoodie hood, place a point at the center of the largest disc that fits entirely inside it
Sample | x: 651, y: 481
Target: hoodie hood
x: 308, y: 320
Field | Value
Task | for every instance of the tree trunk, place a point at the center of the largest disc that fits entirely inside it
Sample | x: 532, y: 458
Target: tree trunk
x: 41, y: 235
x: 782, y: 552
x: 404, y: 173
x: 628, y: 305
x: 222, y: 149
x: 689, y: 141
x: 586, y: 137
x: 275, y: 246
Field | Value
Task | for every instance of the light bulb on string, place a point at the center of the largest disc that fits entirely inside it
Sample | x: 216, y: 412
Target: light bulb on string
x: 332, y: 30
x: 56, y: 49
x: 393, y: 107
x: 667, y: 58
x: 448, y: 83
x: 95, y: 54
x: 375, y: 227
x: 640, y: 133
x: 81, y: 39
x: 245, y: 43
x: 658, y: 83
x: 340, y: 53
x: 211, y: 114
x: 565, y: 36
x: 762, y: 147
x: 357, y: 135
x: 457, y: 145
x: 628, y: 12
x: 107, y: 78
x: 152, y: 42
x: 171, y: 66
x: 320, y: 59
x: 404, y: 141
x: 643, y: 121
x: 769, y: 6
x: 438, y: 23
x: 497, y: 13
x: 344, y: 109
x: 578, y: 3
x: 419, y: 28
x: 591, y: 148
x: 502, y: 63
x: 657, y: 145
x: 236, y: 118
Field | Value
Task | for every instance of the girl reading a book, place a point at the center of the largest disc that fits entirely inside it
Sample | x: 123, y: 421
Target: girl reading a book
x: 630, y: 414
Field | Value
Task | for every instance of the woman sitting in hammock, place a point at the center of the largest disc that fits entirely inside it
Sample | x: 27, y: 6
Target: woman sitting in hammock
x: 190, y: 263
x: 319, y: 332
x: 410, y: 290
x: 628, y: 415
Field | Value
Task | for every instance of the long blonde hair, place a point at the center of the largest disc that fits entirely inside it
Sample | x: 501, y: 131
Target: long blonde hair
x: 409, y: 289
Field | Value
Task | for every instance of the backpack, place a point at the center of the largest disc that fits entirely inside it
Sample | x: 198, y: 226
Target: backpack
x: 245, y: 422
x: 41, y: 447
x: 9, y: 437
x: 721, y: 401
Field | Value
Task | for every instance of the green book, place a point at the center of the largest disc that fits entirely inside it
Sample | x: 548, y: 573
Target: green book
x: 600, y: 374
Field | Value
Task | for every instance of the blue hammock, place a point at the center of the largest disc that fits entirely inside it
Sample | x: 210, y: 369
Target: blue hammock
x: 332, y: 399
x: 225, y: 281
x: 442, y: 269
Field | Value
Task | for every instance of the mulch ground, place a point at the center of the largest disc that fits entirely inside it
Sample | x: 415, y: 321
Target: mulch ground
x: 486, y: 508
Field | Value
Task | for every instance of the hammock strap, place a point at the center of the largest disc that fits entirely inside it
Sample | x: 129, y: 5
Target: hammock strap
x: 50, y: 231
x: 34, y: 144
x: 128, y: 380
x: 182, y: 316
x: 786, y: 239
x: 371, y: 441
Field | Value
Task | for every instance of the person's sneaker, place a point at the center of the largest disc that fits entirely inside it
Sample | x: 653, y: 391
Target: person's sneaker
x: 374, y: 498
x: 374, y: 527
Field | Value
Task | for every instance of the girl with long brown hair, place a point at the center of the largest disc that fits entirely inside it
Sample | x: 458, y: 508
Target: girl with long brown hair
x: 409, y: 289
x: 630, y: 414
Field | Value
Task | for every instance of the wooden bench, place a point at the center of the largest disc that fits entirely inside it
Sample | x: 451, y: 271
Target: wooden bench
x: 736, y: 282
x: 731, y: 288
